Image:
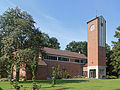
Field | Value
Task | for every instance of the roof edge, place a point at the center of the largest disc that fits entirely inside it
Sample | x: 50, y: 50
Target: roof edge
x: 92, y: 20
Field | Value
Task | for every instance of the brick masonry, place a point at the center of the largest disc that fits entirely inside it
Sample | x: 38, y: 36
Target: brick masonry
x: 44, y: 72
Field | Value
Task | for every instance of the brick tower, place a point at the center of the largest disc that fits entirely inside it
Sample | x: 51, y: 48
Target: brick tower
x: 96, y: 48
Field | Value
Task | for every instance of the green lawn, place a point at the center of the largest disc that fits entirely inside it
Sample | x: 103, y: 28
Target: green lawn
x: 70, y: 84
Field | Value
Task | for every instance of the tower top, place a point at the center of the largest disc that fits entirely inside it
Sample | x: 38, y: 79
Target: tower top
x: 96, y: 13
x: 96, y: 18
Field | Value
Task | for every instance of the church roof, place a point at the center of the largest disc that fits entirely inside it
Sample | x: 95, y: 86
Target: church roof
x: 64, y: 53
x: 92, y: 20
x: 96, y: 18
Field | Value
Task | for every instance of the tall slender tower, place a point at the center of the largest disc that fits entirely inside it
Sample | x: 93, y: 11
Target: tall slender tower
x: 96, y: 48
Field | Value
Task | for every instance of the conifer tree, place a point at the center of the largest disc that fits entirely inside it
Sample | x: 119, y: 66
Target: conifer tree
x: 116, y: 53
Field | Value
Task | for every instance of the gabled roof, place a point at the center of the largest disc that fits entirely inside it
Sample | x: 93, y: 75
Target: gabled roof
x: 64, y: 53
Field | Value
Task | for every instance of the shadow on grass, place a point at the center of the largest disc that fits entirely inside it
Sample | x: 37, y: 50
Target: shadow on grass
x: 70, y: 81
x: 58, y: 81
x: 1, y: 88
x: 57, y: 88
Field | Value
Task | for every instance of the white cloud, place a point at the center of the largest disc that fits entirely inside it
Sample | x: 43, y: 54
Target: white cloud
x: 50, y: 18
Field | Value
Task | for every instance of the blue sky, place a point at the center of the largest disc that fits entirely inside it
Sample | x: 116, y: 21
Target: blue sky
x: 66, y: 19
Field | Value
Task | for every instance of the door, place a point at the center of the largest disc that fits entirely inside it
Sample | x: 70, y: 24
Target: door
x: 93, y: 73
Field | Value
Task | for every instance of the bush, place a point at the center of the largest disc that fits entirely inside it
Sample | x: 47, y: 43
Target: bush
x: 111, y: 77
x: 4, y: 79
x: 67, y: 75
x: 35, y: 86
x: 22, y: 78
x: 107, y: 76
x: 53, y: 76
x: 15, y: 85
x: 59, y: 72
x: 78, y: 76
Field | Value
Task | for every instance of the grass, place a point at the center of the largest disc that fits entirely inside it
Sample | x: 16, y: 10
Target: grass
x: 69, y: 84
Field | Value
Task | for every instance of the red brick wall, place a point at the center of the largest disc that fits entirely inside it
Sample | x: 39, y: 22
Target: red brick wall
x: 93, y: 44
x: 73, y: 69
x: 102, y: 56
x: 43, y: 72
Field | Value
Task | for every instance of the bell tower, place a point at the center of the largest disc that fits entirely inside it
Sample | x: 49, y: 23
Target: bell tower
x: 96, y: 47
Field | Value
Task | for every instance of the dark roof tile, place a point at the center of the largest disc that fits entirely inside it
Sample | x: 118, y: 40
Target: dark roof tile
x: 64, y: 53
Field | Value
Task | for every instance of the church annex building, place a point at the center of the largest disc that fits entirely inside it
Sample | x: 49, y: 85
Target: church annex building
x: 76, y: 64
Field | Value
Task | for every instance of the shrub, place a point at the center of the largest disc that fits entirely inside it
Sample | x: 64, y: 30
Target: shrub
x: 4, y: 79
x: 111, y: 77
x: 22, y: 78
x: 35, y: 86
x: 67, y: 75
x: 107, y: 76
x: 59, y: 73
x: 53, y: 76
x: 15, y: 85
x: 78, y: 76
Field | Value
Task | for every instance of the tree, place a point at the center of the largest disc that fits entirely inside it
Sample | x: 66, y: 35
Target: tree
x: 77, y: 47
x: 3, y: 64
x: 53, y: 43
x: 21, y: 40
x: 59, y: 72
x: 34, y: 69
x: 116, y: 53
x: 50, y: 42
x: 34, y: 73
x: 109, y: 67
x: 53, y: 76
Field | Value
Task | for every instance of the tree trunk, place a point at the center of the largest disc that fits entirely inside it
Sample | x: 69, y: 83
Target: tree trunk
x: 17, y: 73
x: 11, y: 72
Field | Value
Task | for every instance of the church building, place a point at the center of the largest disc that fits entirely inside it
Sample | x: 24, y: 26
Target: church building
x: 76, y: 64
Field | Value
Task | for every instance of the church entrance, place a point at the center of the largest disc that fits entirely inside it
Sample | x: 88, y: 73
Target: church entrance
x: 92, y: 73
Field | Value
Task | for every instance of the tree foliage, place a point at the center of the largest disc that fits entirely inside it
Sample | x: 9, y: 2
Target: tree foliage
x: 50, y: 42
x: 53, y: 76
x: 34, y: 69
x: 20, y: 39
x: 109, y: 67
x: 59, y: 72
x: 77, y: 47
x: 116, y: 53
